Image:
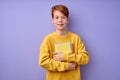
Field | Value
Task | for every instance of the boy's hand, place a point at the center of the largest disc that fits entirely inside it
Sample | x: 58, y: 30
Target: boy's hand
x: 57, y: 56
x: 72, y: 66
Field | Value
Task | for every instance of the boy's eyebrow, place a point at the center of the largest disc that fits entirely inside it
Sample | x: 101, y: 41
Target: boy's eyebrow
x: 58, y: 15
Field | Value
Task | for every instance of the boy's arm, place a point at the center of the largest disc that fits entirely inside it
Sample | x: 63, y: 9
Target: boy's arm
x: 81, y: 57
x: 48, y: 63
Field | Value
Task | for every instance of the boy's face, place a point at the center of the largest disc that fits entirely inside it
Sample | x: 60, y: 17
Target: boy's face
x: 59, y: 20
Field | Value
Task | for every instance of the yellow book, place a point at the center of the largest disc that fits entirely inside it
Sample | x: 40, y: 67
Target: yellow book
x: 63, y: 47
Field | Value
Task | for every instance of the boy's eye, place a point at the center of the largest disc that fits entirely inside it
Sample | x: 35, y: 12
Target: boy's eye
x: 63, y: 17
x: 56, y: 17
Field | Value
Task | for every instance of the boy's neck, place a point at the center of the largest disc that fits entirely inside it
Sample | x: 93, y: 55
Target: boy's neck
x: 61, y: 32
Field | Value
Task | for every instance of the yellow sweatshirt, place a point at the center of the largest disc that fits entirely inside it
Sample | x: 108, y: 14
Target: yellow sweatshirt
x: 57, y: 70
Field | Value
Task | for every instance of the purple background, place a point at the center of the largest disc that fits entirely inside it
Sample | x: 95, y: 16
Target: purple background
x: 23, y: 25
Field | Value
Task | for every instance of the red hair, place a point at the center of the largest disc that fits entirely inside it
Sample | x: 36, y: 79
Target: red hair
x: 62, y: 8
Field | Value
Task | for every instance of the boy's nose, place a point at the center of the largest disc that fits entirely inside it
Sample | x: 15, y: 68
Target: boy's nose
x: 60, y: 19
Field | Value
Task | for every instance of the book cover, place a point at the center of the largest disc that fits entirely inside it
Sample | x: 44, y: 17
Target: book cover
x: 64, y: 47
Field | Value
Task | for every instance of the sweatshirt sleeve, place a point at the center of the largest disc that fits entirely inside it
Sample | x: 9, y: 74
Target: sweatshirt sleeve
x: 81, y: 56
x: 48, y: 63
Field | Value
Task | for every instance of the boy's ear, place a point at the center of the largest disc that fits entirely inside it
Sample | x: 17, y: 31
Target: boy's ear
x: 68, y: 21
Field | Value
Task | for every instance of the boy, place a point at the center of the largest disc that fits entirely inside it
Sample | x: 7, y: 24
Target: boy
x: 62, y: 65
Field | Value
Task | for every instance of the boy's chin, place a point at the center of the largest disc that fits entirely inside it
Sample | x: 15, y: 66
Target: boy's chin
x: 60, y: 28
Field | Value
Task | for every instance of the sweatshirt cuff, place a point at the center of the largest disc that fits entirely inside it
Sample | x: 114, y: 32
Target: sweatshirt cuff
x: 65, y: 57
x: 66, y: 66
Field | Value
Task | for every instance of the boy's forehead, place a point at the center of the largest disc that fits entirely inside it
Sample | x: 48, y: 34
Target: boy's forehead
x: 58, y: 13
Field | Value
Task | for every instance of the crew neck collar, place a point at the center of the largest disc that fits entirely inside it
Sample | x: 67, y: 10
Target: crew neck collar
x: 60, y: 36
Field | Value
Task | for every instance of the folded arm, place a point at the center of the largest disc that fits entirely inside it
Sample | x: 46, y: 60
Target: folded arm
x: 50, y: 64
x: 81, y: 56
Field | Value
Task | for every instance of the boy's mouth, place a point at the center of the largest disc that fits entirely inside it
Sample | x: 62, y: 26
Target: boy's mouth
x: 60, y: 24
